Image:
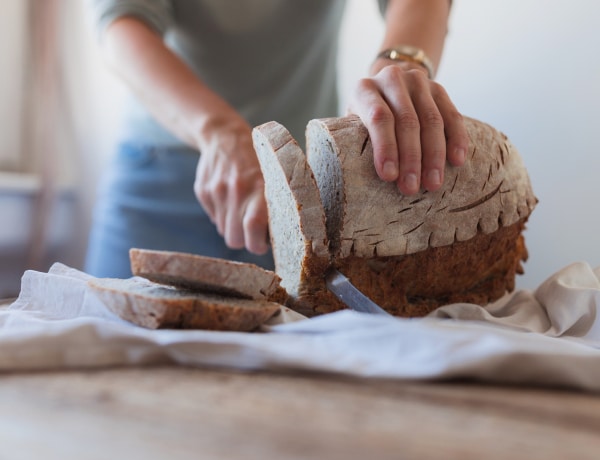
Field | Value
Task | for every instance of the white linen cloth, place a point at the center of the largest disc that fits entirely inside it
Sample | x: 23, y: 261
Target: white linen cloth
x: 550, y: 336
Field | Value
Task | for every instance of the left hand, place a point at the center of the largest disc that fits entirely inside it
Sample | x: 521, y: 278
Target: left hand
x: 413, y: 125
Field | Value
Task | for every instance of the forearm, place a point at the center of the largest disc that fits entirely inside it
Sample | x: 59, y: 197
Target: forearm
x: 419, y: 23
x: 229, y: 182
x: 163, y: 82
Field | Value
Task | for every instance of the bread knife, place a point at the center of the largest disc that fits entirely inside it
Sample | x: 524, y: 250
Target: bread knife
x: 350, y: 295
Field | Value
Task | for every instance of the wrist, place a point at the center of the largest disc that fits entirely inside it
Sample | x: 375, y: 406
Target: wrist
x: 379, y: 64
x: 223, y: 129
x: 408, y: 57
x: 220, y: 123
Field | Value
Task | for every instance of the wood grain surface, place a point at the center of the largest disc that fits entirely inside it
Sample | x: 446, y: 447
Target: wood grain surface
x: 184, y: 413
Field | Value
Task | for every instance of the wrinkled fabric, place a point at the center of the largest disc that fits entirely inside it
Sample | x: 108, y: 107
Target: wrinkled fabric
x: 549, y: 336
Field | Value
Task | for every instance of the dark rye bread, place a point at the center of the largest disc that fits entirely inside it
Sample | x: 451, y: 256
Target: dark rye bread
x: 207, y: 274
x: 155, y: 306
x: 410, y: 254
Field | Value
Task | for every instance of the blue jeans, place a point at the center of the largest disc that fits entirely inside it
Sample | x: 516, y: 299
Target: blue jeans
x: 146, y: 200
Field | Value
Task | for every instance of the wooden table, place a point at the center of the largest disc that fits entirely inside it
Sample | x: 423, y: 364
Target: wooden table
x: 184, y: 413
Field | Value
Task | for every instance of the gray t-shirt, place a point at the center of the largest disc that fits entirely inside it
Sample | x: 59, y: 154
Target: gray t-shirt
x: 270, y: 59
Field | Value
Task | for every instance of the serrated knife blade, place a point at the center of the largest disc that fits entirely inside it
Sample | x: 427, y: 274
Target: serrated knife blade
x: 344, y: 290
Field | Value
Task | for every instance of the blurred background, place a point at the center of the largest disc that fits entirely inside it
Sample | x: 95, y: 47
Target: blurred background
x: 527, y: 67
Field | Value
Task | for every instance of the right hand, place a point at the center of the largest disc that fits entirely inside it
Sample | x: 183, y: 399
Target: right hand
x: 414, y: 126
x: 230, y: 186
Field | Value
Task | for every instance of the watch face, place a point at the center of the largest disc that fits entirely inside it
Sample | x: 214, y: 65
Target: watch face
x: 407, y: 51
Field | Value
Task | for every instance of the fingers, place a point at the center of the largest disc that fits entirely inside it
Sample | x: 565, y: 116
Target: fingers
x: 235, y: 203
x: 256, y: 223
x: 246, y: 220
x: 232, y: 215
x: 414, y: 128
x: 432, y: 136
x: 378, y: 118
x: 457, y: 139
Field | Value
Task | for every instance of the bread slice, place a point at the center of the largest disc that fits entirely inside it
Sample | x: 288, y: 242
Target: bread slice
x: 296, y: 215
x: 410, y: 254
x: 208, y: 274
x: 154, y: 306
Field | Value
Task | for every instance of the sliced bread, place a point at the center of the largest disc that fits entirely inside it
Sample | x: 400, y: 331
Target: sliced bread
x: 296, y: 215
x: 208, y: 274
x: 410, y: 254
x: 154, y: 306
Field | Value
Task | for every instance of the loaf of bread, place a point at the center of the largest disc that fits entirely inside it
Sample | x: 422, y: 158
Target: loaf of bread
x: 410, y: 254
x: 154, y: 306
x: 207, y: 274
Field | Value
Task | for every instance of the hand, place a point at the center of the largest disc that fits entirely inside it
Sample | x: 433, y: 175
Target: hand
x: 230, y: 186
x: 413, y: 125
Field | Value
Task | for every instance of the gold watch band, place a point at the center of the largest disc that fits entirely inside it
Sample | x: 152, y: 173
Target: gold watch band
x: 410, y: 54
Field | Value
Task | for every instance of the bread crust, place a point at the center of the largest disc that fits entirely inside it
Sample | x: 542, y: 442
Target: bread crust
x: 208, y: 274
x: 462, y: 243
x: 490, y: 191
x: 479, y: 271
x: 155, y: 306
x: 296, y: 215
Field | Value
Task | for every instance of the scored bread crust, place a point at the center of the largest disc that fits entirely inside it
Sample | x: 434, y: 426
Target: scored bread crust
x: 209, y: 274
x: 373, y: 219
x: 478, y: 271
x: 462, y: 243
x: 154, y: 306
x: 296, y: 215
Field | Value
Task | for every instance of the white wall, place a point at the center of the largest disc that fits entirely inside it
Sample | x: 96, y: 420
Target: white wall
x: 531, y: 69
x: 13, y: 41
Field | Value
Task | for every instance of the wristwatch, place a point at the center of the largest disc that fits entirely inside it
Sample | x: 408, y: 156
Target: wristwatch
x: 410, y: 54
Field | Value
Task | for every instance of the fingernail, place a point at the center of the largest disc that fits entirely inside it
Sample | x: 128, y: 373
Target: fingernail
x: 434, y: 177
x: 410, y: 181
x: 390, y: 170
x: 460, y: 155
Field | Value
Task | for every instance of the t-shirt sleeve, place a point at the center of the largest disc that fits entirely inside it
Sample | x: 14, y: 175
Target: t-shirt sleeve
x: 158, y: 14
